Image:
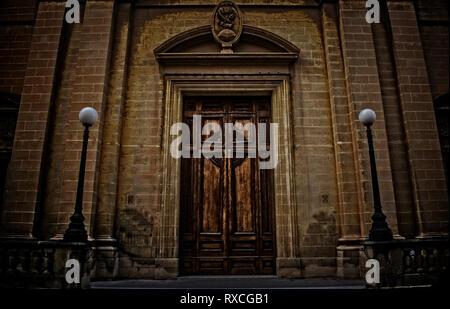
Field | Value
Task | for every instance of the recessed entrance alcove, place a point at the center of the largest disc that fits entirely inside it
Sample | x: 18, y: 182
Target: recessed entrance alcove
x: 259, y: 64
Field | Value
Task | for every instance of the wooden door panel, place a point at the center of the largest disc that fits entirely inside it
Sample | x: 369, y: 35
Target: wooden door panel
x: 211, y: 205
x: 244, y: 266
x: 187, y: 231
x: 243, y: 240
x: 243, y: 231
x: 211, y: 266
x: 243, y: 197
x: 227, y: 214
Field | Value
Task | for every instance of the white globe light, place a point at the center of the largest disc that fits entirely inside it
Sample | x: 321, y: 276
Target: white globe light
x: 88, y: 116
x: 367, y: 116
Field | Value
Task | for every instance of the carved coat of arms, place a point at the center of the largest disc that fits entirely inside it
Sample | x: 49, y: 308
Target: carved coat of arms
x: 226, y: 24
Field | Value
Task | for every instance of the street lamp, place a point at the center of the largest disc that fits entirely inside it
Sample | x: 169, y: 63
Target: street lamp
x: 380, y: 229
x: 76, y: 231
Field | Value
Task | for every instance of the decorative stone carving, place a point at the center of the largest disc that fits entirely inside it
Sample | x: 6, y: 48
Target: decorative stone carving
x: 226, y: 25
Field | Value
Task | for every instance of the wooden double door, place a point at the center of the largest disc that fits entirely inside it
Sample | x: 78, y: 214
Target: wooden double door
x: 227, y: 222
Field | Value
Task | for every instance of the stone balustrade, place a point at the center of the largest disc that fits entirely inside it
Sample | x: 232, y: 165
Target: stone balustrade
x: 409, y: 262
x: 31, y: 263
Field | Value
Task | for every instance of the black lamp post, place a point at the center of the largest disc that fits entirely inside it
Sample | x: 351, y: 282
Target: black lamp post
x: 380, y: 230
x: 76, y: 231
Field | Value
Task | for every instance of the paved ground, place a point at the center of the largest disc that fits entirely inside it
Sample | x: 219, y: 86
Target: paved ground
x: 229, y: 282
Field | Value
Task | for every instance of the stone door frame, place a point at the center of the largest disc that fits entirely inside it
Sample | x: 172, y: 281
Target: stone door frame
x: 278, y: 87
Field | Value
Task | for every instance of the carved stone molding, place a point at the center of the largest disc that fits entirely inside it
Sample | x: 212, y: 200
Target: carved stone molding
x: 226, y: 25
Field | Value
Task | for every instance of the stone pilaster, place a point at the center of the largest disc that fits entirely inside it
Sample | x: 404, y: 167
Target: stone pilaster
x: 109, y: 166
x: 364, y: 91
x: 89, y: 89
x: 22, y: 198
x: 425, y: 161
x: 350, y: 215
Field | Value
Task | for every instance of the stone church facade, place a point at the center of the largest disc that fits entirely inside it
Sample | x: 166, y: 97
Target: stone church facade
x: 311, y: 66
